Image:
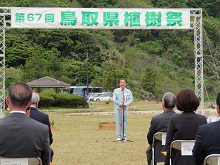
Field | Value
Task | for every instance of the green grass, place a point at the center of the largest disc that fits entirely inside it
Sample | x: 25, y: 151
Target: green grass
x: 77, y: 140
x: 105, y: 107
x: 134, y: 106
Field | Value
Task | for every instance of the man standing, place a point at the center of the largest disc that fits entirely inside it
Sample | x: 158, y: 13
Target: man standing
x: 207, y: 138
x: 160, y: 123
x: 40, y: 116
x: 122, y: 97
x: 20, y: 136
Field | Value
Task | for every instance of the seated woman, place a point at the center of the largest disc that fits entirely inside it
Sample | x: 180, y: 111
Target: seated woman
x: 183, y: 126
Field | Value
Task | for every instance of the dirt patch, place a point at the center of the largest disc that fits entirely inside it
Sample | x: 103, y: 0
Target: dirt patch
x: 106, y: 126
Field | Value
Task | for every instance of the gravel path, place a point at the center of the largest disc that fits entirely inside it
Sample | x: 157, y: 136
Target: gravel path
x: 208, y: 112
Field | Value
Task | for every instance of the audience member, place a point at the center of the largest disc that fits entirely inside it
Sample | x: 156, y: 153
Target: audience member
x: 183, y: 126
x: 122, y: 97
x: 40, y: 116
x: 160, y: 123
x: 20, y: 135
x: 207, y: 138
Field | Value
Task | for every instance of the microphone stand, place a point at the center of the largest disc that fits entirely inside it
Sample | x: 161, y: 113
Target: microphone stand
x: 123, y: 131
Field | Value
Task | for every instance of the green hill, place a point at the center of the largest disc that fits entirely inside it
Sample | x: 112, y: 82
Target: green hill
x: 154, y: 61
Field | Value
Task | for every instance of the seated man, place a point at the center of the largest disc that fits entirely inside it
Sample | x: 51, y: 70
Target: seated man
x: 21, y: 136
x: 207, y: 138
x: 160, y: 123
x: 40, y: 116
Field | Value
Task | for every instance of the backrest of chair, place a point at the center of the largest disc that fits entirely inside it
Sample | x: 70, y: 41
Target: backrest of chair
x: 34, y: 161
x: 160, y: 136
x: 213, y: 159
x: 20, y: 161
x: 185, y: 146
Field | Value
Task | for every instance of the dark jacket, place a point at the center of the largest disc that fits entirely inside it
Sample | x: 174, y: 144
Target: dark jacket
x: 42, y: 118
x: 182, y: 127
x: 159, y: 123
x: 207, y: 142
x: 20, y: 136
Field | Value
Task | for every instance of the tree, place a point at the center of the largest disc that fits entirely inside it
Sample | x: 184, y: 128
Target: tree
x: 169, y: 3
x: 110, y: 75
x: 149, y: 80
x: 115, y: 53
x: 35, y: 66
x: 97, y: 3
x: 18, y: 48
x: 212, y: 7
x: 13, y: 75
x: 43, y: 63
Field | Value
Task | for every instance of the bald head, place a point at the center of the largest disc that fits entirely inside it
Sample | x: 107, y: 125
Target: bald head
x: 19, y: 95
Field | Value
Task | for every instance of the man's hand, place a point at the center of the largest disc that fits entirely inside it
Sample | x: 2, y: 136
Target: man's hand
x: 122, y: 106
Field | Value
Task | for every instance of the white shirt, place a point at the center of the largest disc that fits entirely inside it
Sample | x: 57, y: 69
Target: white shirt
x: 17, y: 112
x: 211, y: 119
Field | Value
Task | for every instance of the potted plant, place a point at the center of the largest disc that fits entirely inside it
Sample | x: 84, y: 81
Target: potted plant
x: 52, y: 126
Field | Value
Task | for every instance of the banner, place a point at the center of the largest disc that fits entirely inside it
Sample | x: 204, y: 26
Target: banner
x: 100, y: 18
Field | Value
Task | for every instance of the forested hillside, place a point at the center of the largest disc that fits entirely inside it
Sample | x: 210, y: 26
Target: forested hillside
x: 153, y: 61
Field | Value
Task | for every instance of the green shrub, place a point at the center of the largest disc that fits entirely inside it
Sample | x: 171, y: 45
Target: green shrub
x: 46, y: 100
x: 62, y: 100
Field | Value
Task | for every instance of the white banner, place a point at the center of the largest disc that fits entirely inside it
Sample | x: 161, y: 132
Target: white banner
x: 100, y: 18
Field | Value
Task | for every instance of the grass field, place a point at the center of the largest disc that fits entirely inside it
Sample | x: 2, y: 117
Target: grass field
x: 135, y: 106
x: 77, y: 139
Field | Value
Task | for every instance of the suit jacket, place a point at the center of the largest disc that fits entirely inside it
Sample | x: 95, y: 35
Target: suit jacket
x: 159, y: 123
x: 118, y: 98
x: 43, y: 118
x: 21, y: 136
x: 182, y: 127
x: 207, y: 142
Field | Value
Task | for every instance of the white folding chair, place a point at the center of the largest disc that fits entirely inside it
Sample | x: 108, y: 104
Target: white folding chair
x: 213, y: 159
x: 185, y: 146
x: 161, y: 136
x: 20, y: 161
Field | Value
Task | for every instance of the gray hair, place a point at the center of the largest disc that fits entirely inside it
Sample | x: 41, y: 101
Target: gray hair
x: 169, y: 100
x: 35, y: 98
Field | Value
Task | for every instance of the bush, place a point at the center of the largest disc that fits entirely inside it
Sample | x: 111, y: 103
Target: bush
x: 62, y: 100
x: 46, y: 100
